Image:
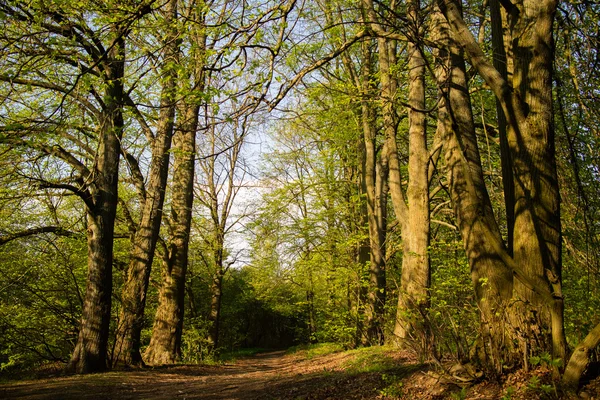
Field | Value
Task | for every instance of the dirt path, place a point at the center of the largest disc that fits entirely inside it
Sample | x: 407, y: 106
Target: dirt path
x: 273, y: 375
x: 351, y: 375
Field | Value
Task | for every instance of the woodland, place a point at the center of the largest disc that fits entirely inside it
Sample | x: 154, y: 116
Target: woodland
x: 185, y: 178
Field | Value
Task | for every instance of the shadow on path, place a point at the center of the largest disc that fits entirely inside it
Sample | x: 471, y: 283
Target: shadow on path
x: 273, y: 375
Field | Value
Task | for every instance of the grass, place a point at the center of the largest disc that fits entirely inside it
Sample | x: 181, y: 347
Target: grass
x: 240, y: 353
x: 315, y: 350
x: 370, y: 359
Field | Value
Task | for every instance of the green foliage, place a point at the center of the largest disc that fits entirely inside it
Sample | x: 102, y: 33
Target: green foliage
x: 459, y: 395
x: 195, y: 347
x: 40, y: 300
x: 453, y: 313
x: 535, y: 385
x: 546, y: 360
x: 394, y: 388
x: 508, y: 394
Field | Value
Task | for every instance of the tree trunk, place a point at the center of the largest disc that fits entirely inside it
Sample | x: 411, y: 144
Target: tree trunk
x: 580, y: 359
x: 375, y: 183
x: 214, y: 316
x: 131, y: 320
x: 500, y: 63
x: 471, y: 203
x: 527, y: 105
x: 91, y: 347
x: 165, y: 343
x: 537, y: 239
x: 413, y: 300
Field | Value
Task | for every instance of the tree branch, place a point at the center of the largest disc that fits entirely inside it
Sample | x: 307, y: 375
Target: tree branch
x: 57, y: 230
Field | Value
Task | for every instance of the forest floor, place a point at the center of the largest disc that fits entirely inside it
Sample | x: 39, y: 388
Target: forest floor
x: 356, y: 374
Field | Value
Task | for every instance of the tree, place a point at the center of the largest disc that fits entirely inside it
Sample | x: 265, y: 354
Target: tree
x: 225, y: 47
x: 131, y: 320
x: 221, y: 179
x: 63, y: 36
x: 527, y: 105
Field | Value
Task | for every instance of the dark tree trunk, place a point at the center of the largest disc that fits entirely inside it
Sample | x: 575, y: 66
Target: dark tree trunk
x: 214, y: 315
x: 90, y: 354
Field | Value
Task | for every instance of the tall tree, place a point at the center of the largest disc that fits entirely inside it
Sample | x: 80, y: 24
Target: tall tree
x: 92, y: 53
x: 527, y: 105
x: 127, y: 347
x: 165, y: 343
x: 221, y: 180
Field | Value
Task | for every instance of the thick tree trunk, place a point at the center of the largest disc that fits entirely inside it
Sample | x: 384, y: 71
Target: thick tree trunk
x: 90, y: 354
x: 527, y: 105
x: 165, y: 343
x: 131, y: 321
x: 472, y: 207
x: 537, y: 239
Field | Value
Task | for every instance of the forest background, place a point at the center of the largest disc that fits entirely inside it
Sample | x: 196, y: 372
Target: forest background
x: 429, y: 178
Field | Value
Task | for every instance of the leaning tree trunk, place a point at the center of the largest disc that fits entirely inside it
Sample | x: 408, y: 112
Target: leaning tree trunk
x: 580, y: 359
x: 491, y: 278
x: 90, y: 354
x: 527, y: 105
x: 131, y: 321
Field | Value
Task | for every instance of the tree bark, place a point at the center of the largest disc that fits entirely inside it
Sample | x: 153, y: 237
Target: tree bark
x: 471, y: 203
x: 375, y: 174
x: 214, y: 316
x: 90, y: 353
x: 580, y: 359
x: 131, y: 320
x: 500, y: 63
x: 537, y: 239
x: 165, y: 343
x: 413, y: 300
x: 527, y: 105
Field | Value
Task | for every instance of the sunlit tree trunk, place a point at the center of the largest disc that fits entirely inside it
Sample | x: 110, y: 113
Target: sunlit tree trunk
x: 470, y: 200
x: 537, y: 314
x: 131, y: 321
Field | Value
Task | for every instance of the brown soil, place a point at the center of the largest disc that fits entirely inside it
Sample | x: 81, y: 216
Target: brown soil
x: 273, y: 375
